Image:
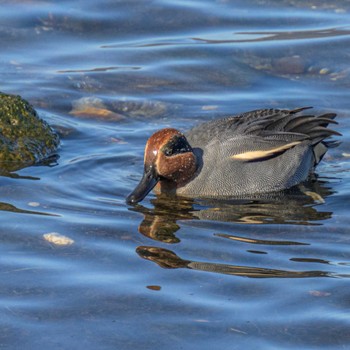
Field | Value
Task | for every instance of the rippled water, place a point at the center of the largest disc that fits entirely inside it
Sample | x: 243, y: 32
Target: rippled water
x: 268, y: 273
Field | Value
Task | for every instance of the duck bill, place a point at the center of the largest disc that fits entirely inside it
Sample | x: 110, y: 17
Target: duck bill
x: 147, y: 183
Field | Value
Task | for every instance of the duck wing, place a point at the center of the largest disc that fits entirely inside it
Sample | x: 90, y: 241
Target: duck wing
x: 278, y: 125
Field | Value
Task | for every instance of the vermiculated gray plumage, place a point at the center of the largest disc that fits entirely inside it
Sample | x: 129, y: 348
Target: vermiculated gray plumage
x: 217, y: 142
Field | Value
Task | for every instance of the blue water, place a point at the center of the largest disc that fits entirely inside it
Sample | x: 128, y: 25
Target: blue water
x: 171, y: 274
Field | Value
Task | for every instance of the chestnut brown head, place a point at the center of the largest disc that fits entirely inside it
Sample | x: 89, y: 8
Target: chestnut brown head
x: 168, y: 157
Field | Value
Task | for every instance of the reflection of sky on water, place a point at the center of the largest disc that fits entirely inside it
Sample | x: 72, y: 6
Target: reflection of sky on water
x: 107, y: 75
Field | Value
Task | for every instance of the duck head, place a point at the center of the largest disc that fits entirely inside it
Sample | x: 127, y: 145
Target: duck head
x: 169, y: 160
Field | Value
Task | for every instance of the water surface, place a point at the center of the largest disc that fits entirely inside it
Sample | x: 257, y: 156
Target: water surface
x: 270, y: 272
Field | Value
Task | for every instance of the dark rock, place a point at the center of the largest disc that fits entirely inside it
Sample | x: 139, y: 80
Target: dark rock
x: 25, y: 139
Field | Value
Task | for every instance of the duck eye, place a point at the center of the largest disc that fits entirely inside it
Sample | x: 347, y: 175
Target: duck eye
x: 176, y: 146
x: 168, y: 152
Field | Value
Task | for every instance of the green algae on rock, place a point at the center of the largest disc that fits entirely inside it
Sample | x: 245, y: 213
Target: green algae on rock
x: 25, y: 139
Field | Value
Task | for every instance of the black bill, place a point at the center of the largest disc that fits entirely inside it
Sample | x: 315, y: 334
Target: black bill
x: 147, y: 183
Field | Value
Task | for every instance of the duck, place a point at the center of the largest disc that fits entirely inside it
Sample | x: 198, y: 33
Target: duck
x: 261, y: 151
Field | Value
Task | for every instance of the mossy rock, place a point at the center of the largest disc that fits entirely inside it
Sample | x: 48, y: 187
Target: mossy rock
x: 25, y: 139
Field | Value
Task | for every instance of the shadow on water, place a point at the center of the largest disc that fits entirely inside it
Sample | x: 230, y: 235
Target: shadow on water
x: 297, y: 207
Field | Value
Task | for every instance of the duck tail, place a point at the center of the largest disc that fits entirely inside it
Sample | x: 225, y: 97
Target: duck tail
x: 321, y: 146
x: 319, y: 151
x: 316, y: 128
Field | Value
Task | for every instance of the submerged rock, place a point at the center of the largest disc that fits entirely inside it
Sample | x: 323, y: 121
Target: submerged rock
x: 93, y: 107
x: 118, y: 110
x: 139, y: 108
x: 25, y: 139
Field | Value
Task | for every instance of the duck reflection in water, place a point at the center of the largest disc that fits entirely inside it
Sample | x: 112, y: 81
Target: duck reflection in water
x: 298, y: 206
x: 169, y: 260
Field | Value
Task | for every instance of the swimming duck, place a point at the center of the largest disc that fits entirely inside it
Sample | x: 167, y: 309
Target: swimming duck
x: 261, y: 151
